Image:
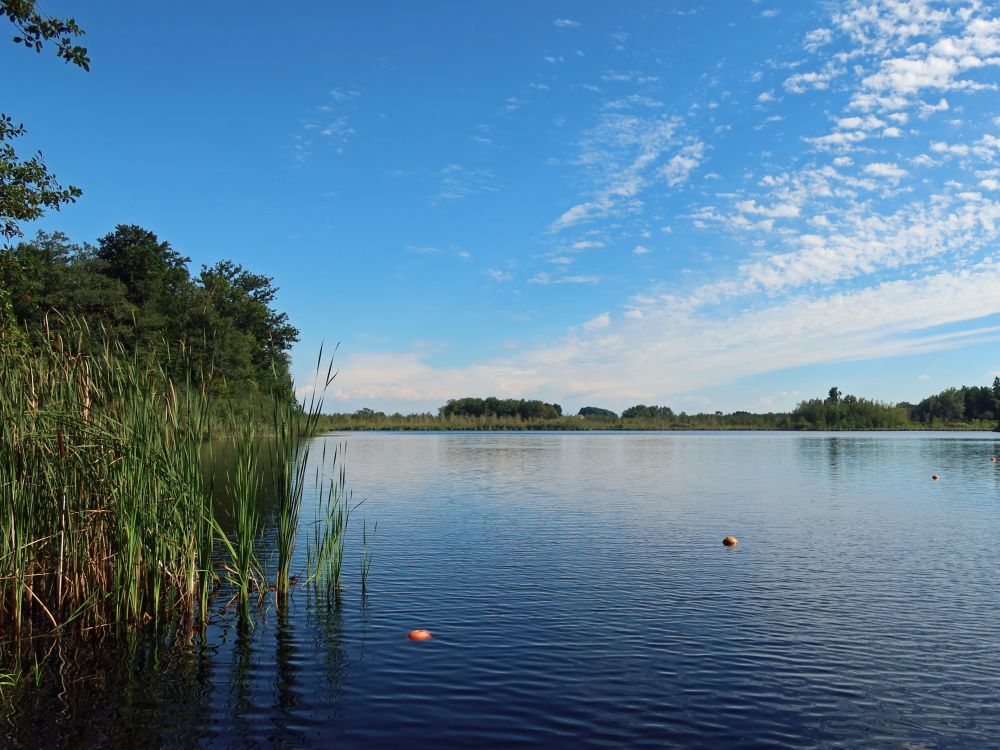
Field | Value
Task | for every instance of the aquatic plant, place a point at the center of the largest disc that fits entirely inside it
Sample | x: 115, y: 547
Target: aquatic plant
x: 109, y: 530
x: 100, y: 488
x: 325, y: 553
x: 293, y: 427
x: 106, y: 506
x: 243, y: 487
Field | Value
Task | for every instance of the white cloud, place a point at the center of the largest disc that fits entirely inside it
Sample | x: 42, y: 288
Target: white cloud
x: 886, y: 170
x: 868, y: 243
x: 457, y: 182
x: 817, y: 38
x: 498, y: 275
x: 641, y: 250
x: 566, y: 23
x: 956, y: 149
x: 545, y: 278
x: 799, y: 83
x: 778, y: 211
x: 679, y: 168
x: 926, y: 110
x: 330, y: 123
x: 599, y: 323
x: 622, y: 153
x: 838, y: 139
x: 958, y: 42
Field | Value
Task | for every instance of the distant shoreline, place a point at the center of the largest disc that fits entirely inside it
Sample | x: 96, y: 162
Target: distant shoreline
x: 965, y: 408
x: 634, y: 428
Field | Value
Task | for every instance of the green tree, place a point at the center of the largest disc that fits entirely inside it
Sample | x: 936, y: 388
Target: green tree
x: 157, y: 286
x: 51, y: 273
x: 27, y: 188
x: 147, y: 267
x: 246, y: 325
x: 639, y: 411
x: 137, y: 290
x: 596, y: 412
x: 996, y: 401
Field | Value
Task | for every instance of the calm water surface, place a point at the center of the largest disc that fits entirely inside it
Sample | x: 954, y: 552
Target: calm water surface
x: 580, y: 596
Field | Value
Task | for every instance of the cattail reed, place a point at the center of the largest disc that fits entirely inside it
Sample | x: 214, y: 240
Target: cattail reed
x: 106, y: 512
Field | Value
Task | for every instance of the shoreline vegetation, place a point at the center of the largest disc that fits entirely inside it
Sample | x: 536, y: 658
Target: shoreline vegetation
x: 968, y: 408
x: 107, y: 471
x: 124, y: 512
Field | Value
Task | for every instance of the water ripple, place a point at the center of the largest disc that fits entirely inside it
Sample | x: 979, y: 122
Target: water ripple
x: 579, y: 596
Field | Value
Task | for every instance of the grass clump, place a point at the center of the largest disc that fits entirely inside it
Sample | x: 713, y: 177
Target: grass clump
x: 106, y: 507
x: 325, y: 554
x: 100, y: 487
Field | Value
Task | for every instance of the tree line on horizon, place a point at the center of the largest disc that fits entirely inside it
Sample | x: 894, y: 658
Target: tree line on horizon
x: 965, y: 405
x: 471, y: 406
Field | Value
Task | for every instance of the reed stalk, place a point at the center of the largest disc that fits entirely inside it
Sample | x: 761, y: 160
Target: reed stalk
x: 294, y: 427
x: 244, y: 488
x: 326, y: 545
x: 101, y: 492
x: 106, y: 514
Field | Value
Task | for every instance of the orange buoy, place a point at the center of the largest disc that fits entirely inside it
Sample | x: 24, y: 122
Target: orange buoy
x: 935, y: 476
x: 730, y: 541
x: 419, y: 635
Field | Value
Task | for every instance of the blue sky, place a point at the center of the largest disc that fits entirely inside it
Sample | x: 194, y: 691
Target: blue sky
x: 710, y: 205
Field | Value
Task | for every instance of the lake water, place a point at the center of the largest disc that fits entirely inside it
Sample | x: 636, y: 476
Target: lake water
x: 580, y: 596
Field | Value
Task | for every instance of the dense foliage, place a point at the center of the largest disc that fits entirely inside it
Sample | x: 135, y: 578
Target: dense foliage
x: 219, y: 327
x: 849, y: 412
x: 955, y: 404
x: 592, y: 412
x: 499, y: 407
x: 641, y: 411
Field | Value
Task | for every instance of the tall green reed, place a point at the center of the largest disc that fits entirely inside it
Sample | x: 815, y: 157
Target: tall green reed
x: 106, y: 513
x: 243, y: 486
x: 100, y: 488
x: 325, y: 553
x: 294, y: 427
